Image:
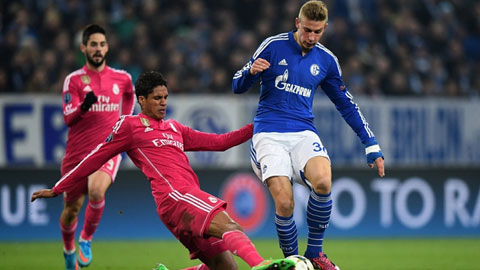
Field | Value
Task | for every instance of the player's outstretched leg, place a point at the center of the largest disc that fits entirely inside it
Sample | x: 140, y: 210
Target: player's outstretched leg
x: 70, y: 260
x: 322, y: 262
x: 84, y: 252
x: 279, y: 264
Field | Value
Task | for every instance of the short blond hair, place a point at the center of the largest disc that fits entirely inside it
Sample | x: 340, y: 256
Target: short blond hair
x: 314, y: 10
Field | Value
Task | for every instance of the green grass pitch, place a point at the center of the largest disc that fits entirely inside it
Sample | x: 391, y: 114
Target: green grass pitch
x: 357, y: 254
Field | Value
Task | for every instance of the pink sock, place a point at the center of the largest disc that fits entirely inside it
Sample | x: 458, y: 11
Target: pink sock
x: 198, y: 267
x: 239, y: 244
x: 93, y: 214
x: 68, y: 235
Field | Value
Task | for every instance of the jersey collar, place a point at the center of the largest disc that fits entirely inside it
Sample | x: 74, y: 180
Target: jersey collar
x: 294, y: 43
x: 91, y: 72
x: 150, y: 118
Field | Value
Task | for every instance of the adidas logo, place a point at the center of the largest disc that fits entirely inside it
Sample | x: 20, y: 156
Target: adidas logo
x: 87, y: 89
x: 283, y: 62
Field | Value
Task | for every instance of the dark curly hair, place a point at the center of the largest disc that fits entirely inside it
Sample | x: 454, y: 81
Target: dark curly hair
x: 90, y: 30
x: 147, y: 81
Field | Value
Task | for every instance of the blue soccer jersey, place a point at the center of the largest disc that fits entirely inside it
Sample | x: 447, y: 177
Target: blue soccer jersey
x: 288, y: 86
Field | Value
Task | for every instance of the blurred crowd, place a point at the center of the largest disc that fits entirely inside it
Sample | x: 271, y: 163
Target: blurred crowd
x: 385, y: 47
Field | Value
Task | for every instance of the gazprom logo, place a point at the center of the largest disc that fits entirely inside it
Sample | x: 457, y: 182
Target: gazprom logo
x: 281, y: 80
x: 281, y: 84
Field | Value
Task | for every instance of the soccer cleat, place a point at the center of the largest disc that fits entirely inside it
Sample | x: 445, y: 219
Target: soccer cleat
x: 70, y: 261
x: 322, y: 262
x: 84, y: 253
x: 280, y: 264
x: 160, y: 267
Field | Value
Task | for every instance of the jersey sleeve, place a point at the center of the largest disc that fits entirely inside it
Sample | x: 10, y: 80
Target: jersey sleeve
x: 195, y: 140
x: 243, y: 80
x: 118, y: 141
x: 71, y: 102
x: 128, y: 99
x: 335, y: 89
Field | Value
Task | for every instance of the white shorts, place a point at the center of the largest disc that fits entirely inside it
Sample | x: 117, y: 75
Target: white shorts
x: 285, y: 154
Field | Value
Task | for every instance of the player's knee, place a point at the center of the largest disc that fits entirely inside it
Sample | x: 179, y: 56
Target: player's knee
x: 322, y: 184
x: 71, y: 212
x: 284, y: 206
x: 233, y: 226
x: 96, y: 194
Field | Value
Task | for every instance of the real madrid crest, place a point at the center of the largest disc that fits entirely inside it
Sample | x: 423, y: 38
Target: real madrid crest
x: 115, y: 89
x: 145, y: 122
x: 85, y: 79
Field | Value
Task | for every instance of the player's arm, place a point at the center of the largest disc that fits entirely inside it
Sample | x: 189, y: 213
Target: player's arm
x: 243, y: 79
x: 71, y: 102
x: 75, y: 101
x: 335, y: 89
x: 194, y: 140
x: 249, y: 74
x: 128, y: 98
x: 118, y: 141
x: 78, y: 176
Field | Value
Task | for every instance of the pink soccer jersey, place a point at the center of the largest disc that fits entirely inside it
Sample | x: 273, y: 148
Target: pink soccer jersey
x: 157, y: 148
x: 115, y: 93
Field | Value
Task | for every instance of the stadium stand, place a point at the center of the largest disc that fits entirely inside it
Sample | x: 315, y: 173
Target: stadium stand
x: 386, y: 48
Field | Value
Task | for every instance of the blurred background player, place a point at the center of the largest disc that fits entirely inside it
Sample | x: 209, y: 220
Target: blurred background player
x: 94, y: 97
x: 285, y: 144
x: 156, y: 146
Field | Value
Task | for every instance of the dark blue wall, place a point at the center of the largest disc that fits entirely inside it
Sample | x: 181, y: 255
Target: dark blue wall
x: 408, y: 202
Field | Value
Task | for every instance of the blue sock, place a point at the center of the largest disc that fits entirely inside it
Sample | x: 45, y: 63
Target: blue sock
x: 287, y: 235
x: 318, y: 215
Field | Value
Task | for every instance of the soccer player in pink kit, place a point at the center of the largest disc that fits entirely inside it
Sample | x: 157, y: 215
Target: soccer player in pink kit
x: 94, y: 97
x: 156, y: 146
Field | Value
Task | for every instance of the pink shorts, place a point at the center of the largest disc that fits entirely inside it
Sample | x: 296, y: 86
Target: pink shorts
x: 110, y: 168
x: 187, y: 214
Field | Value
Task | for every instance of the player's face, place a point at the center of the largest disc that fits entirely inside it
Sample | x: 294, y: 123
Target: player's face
x: 95, y: 50
x: 309, y: 32
x: 155, y: 105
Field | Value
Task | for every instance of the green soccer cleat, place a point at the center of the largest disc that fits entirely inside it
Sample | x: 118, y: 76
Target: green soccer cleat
x: 84, y: 253
x: 70, y: 261
x: 160, y: 267
x: 280, y: 264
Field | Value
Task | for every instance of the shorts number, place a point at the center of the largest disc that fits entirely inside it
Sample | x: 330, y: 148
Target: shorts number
x: 110, y: 164
x: 317, y: 147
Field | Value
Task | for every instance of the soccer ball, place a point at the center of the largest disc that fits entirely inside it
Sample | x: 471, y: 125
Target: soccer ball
x: 301, y: 263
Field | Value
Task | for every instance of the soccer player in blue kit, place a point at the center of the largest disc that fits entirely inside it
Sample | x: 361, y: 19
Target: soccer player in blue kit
x: 285, y: 144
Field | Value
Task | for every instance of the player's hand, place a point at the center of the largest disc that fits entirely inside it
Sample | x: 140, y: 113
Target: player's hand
x: 259, y: 65
x: 380, y: 166
x: 43, y: 193
x: 90, y: 98
x: 375, y: 156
